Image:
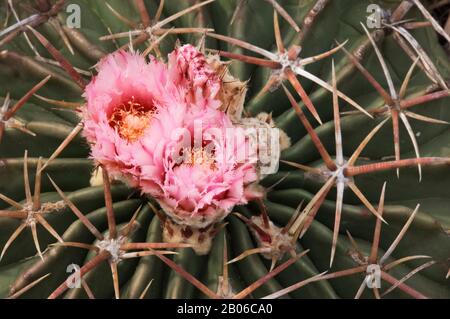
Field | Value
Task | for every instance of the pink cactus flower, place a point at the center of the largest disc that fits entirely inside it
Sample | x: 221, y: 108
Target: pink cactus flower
x: 133, y: 110
x: 127, y: 119
x: 210, y: 177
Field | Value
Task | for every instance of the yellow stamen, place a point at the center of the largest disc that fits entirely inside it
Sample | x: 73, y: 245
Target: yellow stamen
x: 131, y: 119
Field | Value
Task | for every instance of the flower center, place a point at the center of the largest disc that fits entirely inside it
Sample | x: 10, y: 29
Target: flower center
x: 131, y: 119
x: 201, y: 157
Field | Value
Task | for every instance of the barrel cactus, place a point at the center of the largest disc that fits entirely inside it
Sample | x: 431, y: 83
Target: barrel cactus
x: 98, y: 200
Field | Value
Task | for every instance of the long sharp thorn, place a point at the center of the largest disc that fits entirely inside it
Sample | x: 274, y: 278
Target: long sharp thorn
x: 87, y: 289
x: 180, y: 14
x: 159, y: 11
x: 384, y: 66
x: 2, y: 130
x: 77, y: 129
x: 407, y: 103
x: 284, y: 14
x: 272, y: 187
x: 21, y: 128
x: 162, y: 217
x: 403, y: 260
x: 337, y: 219
x: 238, y: 8
x: 376, y: 293
x: 174, y: 30
x: 122, y: 18
x: 424, y: 118
x: 11, y: 239
x: 267, y: 54
x: 25, y: 98
x: 57, y: 26
x: 187, y: 276
x: 27, y: 287
x: 325, y: 85
x: 78, y: 245
x: 37, y: 186
x: 62, y: 104
x: 48, y: 227
x: 399, y: 237
x: 311, y: 215
x: 302, y: 93
x: 26, y: 179
x: 323, y: 55
x: 299, y: 224
x: 249, y: 252
x: 294, y: 287
x: 10, y: 201
x: 265, y: 216
x: 248, y: 59
x: 396, y: 135
x: 247, y: 291
x: 109, y: 205
x: 77, y: 212
x: 430, y: 18
x: 273, y: 263
x: 408, y: 77
x: 127, y: 229
x: 139, y: 254
x: 24, y: 34
x: 143, y: 13
x: 115, y: 278
x: 6, y: 102
x: 402, y: 286
x: 310, y: 18
x: 155, y: 43
x: 314, y: 137
x: 14, y: 29
x: 344, y: 273
x: 272, y: 82
x: 413, y: 140
x: 144, y: 292
x: 13, y: 214
x: 36, y: 240
x: 277, y: 32
x: 65, y: 64
x: 337, y: 121
x: 369, y: 77
x: 298, y: 210
x: 355, y: 245
x: 134, y: 246
x: 377, y: 232
x: 383, y: 166
x: 364, y: 200
x: 261, y: 232
x: 125, y: 34
x: 302, y: 167
x: 91, y: 264
x: 225, y: 273
x: 361, y: 289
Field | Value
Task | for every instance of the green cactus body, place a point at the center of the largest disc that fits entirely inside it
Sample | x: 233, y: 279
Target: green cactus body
x: 305, y: 185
